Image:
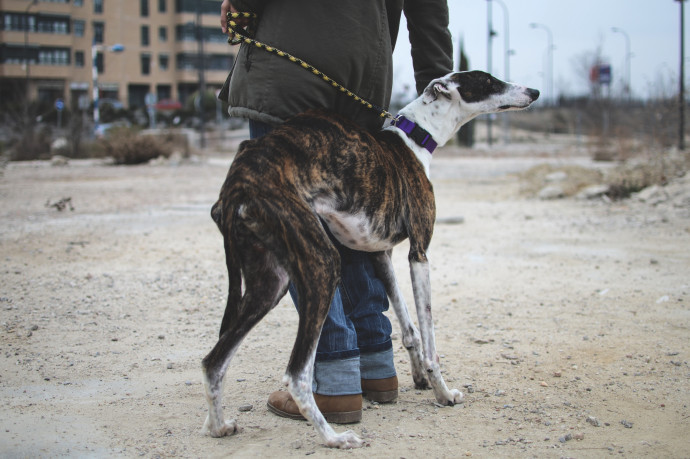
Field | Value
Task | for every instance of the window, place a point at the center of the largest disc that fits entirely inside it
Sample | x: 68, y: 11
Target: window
x: 218, y: 62
x: 163, y: 61
x: 191, y: 6
x: 79, y: 27
x: 52, y: 24
x: 98, y: 31
x: 16, y: 54
x: 79, y: 58
x: 188, y: 32
x: 78, y: 2
x: 162, y: 34
x: 53, y: 56
x: 145, y: 64
x: 100, y: 63
x: 162, y: 6
x: 144, y: 8
x: 185, y: 32
x: 189, y: 61
x: 145, y: 35
x: 186, y: 61
x: 18, y: 22
x: 98, y: 6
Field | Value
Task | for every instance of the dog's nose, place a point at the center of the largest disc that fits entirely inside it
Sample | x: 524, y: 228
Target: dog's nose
x: 533, y: 94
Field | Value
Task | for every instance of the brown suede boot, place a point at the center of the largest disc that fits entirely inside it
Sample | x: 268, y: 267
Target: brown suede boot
x: 338, y: 409
x: 380, y: 390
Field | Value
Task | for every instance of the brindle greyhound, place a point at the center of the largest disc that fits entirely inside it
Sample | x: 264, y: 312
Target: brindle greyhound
x: 372, y: 191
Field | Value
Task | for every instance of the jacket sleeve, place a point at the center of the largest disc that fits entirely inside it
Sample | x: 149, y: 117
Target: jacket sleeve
x: 432, y: 46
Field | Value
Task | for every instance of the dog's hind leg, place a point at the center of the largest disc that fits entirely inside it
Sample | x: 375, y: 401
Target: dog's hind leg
x: 315, y: 272
x: 264, y: 286
x: 410, y: 335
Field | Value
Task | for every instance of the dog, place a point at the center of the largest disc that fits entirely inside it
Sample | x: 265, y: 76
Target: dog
x: 372, y: 191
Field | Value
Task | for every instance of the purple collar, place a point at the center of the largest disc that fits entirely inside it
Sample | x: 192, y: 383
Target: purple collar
x: 419, y: 135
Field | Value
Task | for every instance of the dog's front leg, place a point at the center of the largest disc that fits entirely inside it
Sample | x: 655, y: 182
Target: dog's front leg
x: 421, y: 287
x: 410, y: 334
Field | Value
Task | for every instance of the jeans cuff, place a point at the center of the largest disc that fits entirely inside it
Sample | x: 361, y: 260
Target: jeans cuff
x: 377, y: 365
x: 337, y: 377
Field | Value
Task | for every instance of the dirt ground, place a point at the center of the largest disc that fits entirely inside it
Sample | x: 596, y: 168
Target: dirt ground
x: 565, y: 322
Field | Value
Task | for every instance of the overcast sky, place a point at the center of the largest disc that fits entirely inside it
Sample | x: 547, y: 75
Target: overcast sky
x: 579, y: 28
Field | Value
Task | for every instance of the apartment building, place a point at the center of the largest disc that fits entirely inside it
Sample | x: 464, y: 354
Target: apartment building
x: 140, y: 47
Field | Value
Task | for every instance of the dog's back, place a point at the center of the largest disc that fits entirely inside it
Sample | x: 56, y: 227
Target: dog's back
x: 333, y: 166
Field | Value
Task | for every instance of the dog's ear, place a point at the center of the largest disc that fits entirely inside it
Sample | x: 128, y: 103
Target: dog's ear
x: 434, y: 90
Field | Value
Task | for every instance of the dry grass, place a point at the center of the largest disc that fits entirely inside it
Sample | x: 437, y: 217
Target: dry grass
x: 575, y: 178
x: 126, y: 146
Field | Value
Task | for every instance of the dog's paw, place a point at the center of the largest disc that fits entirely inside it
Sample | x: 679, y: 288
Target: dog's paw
x: 420, y: 381
x: 345, y: 440
x: 452, y: 398
x: 226, y: 428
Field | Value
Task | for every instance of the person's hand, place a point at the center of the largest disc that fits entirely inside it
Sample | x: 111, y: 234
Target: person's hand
x: 226, y: 7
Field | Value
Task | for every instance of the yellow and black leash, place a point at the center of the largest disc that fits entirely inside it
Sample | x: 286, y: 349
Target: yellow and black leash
x: 235, y: 37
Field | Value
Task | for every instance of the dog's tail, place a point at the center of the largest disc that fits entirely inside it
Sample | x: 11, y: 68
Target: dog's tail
x: 225, y: 218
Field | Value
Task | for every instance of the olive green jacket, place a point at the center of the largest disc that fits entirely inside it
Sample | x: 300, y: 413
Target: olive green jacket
x: 351, y: 41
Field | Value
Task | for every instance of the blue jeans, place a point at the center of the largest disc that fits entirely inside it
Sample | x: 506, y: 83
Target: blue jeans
x: 356, y: 339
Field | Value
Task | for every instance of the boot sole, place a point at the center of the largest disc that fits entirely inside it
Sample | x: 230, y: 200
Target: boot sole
x: 386, y: 396
x: 344, y: 417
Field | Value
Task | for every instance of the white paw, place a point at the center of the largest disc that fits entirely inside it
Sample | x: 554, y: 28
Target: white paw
x: 453, y: 397
x: 224, y: 429
x: 458, y: 397
x: 345, y: 440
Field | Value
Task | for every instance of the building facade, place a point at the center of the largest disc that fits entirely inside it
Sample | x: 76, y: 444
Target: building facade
x: 48, y: 49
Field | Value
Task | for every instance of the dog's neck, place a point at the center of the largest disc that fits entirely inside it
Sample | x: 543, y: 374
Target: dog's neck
x: 438, y: 118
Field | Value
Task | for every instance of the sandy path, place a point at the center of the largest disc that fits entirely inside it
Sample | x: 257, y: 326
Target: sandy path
x: 564, y: 322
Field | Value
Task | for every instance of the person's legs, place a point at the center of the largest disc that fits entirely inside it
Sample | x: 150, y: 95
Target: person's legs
x: 336, y: 383
x: 365, y: 300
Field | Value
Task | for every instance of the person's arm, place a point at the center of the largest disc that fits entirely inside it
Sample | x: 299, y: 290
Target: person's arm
x: 432, y: 46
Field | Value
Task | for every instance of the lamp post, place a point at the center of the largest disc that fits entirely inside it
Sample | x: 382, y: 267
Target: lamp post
x: 489, y: 59
x: 507, y: 52
x: 628, y: 56
x: 548, y: 73
x: 95, y: 48
x: 27, y: 58
x: 200, y: 68
x: 681, y: 92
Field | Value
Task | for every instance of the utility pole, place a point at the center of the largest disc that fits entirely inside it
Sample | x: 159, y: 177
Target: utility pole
x: 628, y: 56
x: 27, y: 60
x: 200, y: 64
x: 681, y: 92
x: 489, y: 58
x: 548, y: 68
x: 507, y: 52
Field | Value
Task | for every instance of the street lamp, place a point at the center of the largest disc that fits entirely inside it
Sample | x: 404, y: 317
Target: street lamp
x: 548, y: 74
x: 27, y: 58
x: 95, y: 48
x: 628, y: 56
x: 681, y: 95
x: 507, y: 52
x: 489, y: 58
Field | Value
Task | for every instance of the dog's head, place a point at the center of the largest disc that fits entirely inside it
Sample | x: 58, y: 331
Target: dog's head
x: 476, y: 93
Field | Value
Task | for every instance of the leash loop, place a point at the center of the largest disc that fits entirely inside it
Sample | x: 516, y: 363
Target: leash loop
x: 235, y: 37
